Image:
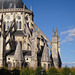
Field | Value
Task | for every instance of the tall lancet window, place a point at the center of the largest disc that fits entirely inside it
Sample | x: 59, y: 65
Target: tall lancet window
x: 20, y: 26
x: 45, y: 66
x: 8, y: 25
x: 11, y: 23
x: 5, y: 25
x: 18, y: 65
x: 17, y: 24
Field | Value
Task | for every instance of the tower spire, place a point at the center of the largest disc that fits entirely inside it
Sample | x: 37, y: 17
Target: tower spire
x: 56, y: 31
x: 24, y: 6
x: 53, y: 30
x: 14, y: 5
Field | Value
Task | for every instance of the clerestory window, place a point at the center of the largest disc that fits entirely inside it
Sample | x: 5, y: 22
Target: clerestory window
x: 18, y: 64
x: 45, y: 66
x: 19, y: 25
x: 8, y: 24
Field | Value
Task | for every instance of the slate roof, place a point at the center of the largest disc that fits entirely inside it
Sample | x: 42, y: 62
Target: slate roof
x: 19, y: 33
x: 10, y: 4
x: 45, y: 54
x: 25, y: 52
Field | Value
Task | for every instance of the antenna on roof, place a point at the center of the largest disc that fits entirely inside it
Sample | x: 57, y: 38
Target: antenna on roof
x: 31, y: 8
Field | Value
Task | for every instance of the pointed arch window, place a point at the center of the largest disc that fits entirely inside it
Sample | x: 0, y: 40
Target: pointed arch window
x: 18, y: 64
x: 13, y: 64
x: 48, y: 65
x: 20, y: 25
x: 45, y: 66
x: 17, y: 24
x: 9, y: 65
x: 11, y: 23
x: 8, y: 24
x: 5, y: 25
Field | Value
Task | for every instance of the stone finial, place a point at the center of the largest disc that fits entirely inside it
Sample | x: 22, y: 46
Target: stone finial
x: 53, y: 31
x: 14, y: 5
x: 56, y: 31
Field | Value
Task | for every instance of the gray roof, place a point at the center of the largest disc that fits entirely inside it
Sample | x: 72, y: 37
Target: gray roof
x: 10, y: 4
x: 19, y: 33
x: 25, y: 52
x: 45, y: 54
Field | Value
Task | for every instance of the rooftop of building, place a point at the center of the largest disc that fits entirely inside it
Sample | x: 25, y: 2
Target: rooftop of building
x: 7, y: 4
x: 12, y: 52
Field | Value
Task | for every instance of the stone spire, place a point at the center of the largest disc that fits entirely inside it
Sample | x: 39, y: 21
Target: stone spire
x: 18, y: 56
x: 45, y: 55
x: 56, y: 31
x: 53, y: 31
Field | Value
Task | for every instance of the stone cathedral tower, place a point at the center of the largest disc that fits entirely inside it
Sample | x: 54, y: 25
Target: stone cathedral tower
x: 22, y: 43
x: 56, y: 49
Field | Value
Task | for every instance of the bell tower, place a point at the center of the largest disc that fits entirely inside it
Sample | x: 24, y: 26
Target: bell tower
x: 55, y: 48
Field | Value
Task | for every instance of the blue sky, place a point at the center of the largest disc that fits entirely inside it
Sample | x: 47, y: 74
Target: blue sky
x: 60, y: 14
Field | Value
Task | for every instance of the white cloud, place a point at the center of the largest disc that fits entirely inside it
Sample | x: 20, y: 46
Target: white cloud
x: 69, y: 34
x: 68, y: 63
x: 73, y: 51
x: 71, y: 31
x: 72, y: 35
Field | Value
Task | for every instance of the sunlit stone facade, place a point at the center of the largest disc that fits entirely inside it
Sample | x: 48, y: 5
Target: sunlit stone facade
x: 22, y: 43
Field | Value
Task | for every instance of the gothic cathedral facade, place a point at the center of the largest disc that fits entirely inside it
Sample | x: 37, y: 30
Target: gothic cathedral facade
x: 22, y: 43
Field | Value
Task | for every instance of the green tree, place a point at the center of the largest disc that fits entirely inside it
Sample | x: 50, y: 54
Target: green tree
x: 5, y: 71
x: 15, y: 71
x: 53, y: 71
x: 66, y: 71
x: 73, y: 71
x: 25, y: 71
x: 32, y: 71
x: 39, y: 70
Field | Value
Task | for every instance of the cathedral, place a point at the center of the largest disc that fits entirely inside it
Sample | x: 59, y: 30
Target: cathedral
x: 22, y: 43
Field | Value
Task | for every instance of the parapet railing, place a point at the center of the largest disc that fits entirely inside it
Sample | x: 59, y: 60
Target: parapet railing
x: 15, y: 9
